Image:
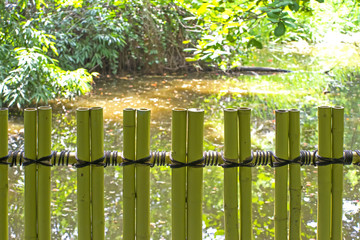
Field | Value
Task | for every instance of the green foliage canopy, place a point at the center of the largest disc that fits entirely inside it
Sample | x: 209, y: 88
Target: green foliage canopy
x: 28, y: 74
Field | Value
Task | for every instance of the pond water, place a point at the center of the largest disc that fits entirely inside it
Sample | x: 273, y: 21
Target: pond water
x: 305, y: 88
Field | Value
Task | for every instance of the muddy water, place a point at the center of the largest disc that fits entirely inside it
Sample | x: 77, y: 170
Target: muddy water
x: 306, y: 88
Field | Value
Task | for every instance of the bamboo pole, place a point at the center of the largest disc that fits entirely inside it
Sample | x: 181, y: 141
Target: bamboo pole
x: 231, y: 174
x: 83, y: 174
x: 324, y: 175
x: 97, y: 173
x: 4, y: 187
x: 246, y: 229
x: 178, y: 175
x: 142, y: 175
x: 30, y: 116
x: 195, y: 174
x: 337, y: 172
x: 281, y: 174
x: 44, y: 173
x: 295, y: 177
x: 129, y: 174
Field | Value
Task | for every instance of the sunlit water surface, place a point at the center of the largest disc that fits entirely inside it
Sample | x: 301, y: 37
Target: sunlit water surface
x: 305, y: 89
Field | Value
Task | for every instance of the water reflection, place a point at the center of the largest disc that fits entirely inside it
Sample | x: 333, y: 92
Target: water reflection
x: 212, y: 92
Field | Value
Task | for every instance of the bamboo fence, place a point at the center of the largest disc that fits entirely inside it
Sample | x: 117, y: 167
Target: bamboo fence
x: 187, y: 160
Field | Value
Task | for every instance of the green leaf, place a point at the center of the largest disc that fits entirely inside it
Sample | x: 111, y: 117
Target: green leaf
x: 277, y: 10
x: 188, y: 59
x: 254, y: 43
x: 294, y: 7
x: 272, y: 15
x: 290, y: 24
x: 230, y: 38
x: 280, y: 29
x: 274, y: 20
x: 264, y: 9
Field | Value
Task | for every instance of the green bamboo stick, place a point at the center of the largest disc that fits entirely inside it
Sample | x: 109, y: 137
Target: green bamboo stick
x: 231, y: 174
x: 97, y: 173
x: 178, y: 175
x: 30, y: 116
x: 281, y: 174
x: 295, y: 177
x: 324, y: 175
x: 83, y: 174
x: 194, y: 174
x: 4, y: 187
x: 44, y: 173
x: 337, y: 172
x: 142, y: 175
x: 246, y: 229
x: 129, y: 174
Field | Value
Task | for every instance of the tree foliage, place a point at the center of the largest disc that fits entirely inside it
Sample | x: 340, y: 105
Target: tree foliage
x: 46, y: 45
x: 232, y: 29
x: 28, y: 73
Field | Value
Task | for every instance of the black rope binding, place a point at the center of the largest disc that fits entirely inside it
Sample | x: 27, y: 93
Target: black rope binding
x: 142, y: 161
x: 176, y: 164
x: 64, y: 155
x: 107, y: 158
x: 54, y: 158
x: 159, y: 158
x: 229, y: 163
x: 114, y: 158
x: 264, y: 158
x: 21, y: 158
x: 306, y: 158
x: 211, y: 158
x: 156, y: 158
x: 67, y: 158
x: 348, y: 157
x: 14, y: 157
x: 3, y: 160
x: 42, y: 161
x: 98, y: 162
x: 358, y: 153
